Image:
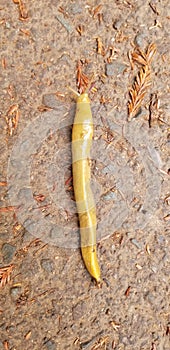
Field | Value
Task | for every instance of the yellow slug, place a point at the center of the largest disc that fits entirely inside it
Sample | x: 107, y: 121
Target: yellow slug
x: 82, y: 134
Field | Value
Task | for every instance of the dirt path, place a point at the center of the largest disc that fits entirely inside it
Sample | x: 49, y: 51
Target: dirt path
x: 48, y: 300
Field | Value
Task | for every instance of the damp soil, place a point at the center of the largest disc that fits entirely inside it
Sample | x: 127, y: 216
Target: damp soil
x: 48, y: 300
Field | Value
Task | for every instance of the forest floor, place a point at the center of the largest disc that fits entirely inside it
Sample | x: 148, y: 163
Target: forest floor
x: 48, y: 300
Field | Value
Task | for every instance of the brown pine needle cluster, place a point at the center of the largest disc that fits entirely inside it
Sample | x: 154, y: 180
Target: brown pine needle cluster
x: 5, y: 274
x: 142, y: 80
x: 144, y: 58
x: 138, y: 91
x: 82, y: 79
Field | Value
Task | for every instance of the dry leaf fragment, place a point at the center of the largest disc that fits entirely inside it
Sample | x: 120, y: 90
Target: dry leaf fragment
x: 76, y: 341
x: 167, y: 217
x: 4, y: 63
x: 112, y: 54
x: 153, y: 109
x: 6, y: 345
x: 28, y: 335
x: 80, y: 29
x: 139, y: 267
x: 3, y: 183
x: 127, y: 292
x: 5, y: 274
x: 167, y: 199
x: 157, y: 24
x: 2, y: 21
x: 39, y: 197
x: 96, y: 13
x: 148, y: 249
x: 115, y: 325
x: 44, y: 108
x: 11, y: 91
x: 17, y: 227
x: 6, y: 209
x: 153, y: 7
x: 168, y: 330
x: 12, y: 118
x: 153, y: 347
x: 102, y: 341
x: 151, y: 50
x: 25, y: 31
x: 82, y: 79
x: 131, y: 60
x: 63, y: 11
x: 139, y: 57
x: 96, y: 10
x: 100, y: 47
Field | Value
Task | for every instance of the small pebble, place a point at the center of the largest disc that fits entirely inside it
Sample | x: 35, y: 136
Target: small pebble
x: 47, y: 265
x: 109, y: 196
x: 161, y: 239
x: 150, y: 297
x: 154, y: 269
x: 136, y: 243
x: 108, y: 169
x: 50, y: 100
x: 50, y: 345
x: 166, y: 258
x: 139, y: 267
x: 117, y: 24
x: 64, y: 23
x: 114, y: 69
x: 7, y: 25
x: 78, y: 310
x: 1, y: 346
x: 155, y: 155
x: 8, y: 252
x: 140, y: 40
x: 75, y: 8
x: 15, y: 292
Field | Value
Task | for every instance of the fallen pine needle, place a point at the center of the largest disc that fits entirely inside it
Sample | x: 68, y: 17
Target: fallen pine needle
x: 6, y: 209
x: 100, y: 47
x: 23, y: 13
x: 12, y: 118
x: 5, y: 274
x: 143, y: 58
x: 3, y: 183
x: 82, y: 79
x: 6, y: 345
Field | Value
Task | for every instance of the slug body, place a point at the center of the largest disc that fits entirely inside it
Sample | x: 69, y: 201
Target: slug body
x: 82, y: 134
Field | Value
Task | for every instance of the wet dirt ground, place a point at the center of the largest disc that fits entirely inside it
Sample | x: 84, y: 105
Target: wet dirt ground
x: 50, y: 301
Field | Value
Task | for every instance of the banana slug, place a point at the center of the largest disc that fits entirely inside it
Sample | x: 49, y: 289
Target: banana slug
x: 82, y: 134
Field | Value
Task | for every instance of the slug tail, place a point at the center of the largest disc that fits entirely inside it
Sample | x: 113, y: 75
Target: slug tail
x: 89, y: 255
